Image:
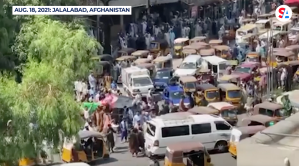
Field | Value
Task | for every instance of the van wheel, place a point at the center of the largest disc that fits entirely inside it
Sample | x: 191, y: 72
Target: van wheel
x: 221, y: 146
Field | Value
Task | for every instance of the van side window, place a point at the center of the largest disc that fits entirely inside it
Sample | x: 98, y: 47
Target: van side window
x: 201, y: 128
x: 150, y: 129
x: 175, y: 131
x: 220, y: 125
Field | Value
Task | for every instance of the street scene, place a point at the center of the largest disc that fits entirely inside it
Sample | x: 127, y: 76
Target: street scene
x: 204, y: 83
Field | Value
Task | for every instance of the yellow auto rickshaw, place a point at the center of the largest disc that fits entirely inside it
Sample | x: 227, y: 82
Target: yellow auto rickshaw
x: 253, y: 57
x: 215, y: 42
x: 163, y: 62
x: 179, y: 43
x: 125, y: 52
x: 240, y: 133
x: 230, y: 92
x: 210, y: 92
x: 198, y: 39
x: 141, y: 53
x: 159, y: 47
x: 74, y: 151
x: 126, y: 58
x: 186, y: 52
x: 227, y: 111
x: 222, y: 51
x: 188, y: 83
x: 283, y: 56
x: 141, y: 61
x: 206, y: 52
x: 194, y: 151
x: 235, y: 79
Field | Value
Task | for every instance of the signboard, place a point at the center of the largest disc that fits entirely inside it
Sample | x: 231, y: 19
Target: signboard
x: 194, y: 11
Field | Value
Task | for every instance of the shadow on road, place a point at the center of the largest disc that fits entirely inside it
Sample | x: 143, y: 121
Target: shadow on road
x: 103, y: 161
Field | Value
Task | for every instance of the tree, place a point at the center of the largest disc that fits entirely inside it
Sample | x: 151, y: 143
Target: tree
x: 286, y: 105
x: 56, y: 54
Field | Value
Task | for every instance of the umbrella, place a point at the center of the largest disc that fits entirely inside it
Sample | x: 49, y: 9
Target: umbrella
x: 91, y: 106
x: 123, y: 101
x: 86, y: 134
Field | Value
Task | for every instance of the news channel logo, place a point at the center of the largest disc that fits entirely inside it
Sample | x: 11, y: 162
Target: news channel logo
x: 283, y: 13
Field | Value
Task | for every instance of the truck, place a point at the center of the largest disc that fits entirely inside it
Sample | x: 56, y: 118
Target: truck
x: 136, y: 80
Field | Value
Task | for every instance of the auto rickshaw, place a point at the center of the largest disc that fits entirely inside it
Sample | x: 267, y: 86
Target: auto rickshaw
x: 259, y: 119
x: 104, y: 57
x: 207, y: 52
x: 211, y: 93
x: 141, y: 61
x: 179, y: 43
x: 186, y: 52
x: 74, y: 151
x: 188, y: 83
x: 198, y: 39
x: 215, y: 42
x: 196, y: 46
x: 195, y: 152
x: 235, y: 79
x: 253, y: 57
x: 103, y: 67
x: 240, y: 133
x: 248, y: 21
x: 222, y: 51
x: 162, y: 62
x: 126, y: 58
x: 159, y: 46
x: 233, y: 63
x: 141, y: 53
x: 227, y: 111
x: 230, y: 92
x: 204, y: 76
x: 125, y: 52
x: 283, y: 56
x: 265, y: 16
x: 269, y: 109
x: 149, y: 66
x: 199, y: 110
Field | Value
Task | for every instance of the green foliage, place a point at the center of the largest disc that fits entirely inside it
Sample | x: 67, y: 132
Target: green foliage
x: 287, y: 105
x: 56, y: 54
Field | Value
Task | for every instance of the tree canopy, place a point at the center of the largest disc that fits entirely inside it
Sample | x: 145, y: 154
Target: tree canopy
x: 53, y: 54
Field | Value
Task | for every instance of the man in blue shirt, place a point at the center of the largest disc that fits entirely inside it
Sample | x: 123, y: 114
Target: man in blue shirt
x: 124, y: 130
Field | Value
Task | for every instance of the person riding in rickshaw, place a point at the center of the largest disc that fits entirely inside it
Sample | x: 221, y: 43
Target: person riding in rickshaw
x: 89, y: 146
x: 253, y: 57
x: 227, y: 111
x: 198, y: 39
x: 204, y: 76
x: 187, y: 51
x: 188, y: 83
x: 215, y: 42
x: 125, y: 52
x: 141, y: 53
x: 159, y: 46
x: 240, y: 133
x: 269, y: 109
x: 162, y: 62
x: 209, y: 91
x: 195, y: 152
x: 200, y: 110
x: 179, y: 43
x: 223, y: 51
x: 230, y: 92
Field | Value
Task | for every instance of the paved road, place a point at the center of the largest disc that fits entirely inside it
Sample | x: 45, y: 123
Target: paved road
x: 122, y: 157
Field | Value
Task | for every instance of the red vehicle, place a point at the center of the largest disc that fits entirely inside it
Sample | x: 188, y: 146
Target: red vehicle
x: 246, y: 70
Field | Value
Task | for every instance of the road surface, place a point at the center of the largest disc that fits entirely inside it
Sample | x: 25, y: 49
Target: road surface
x: 122, y: 157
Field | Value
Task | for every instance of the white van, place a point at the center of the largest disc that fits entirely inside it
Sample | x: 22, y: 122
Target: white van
x: 212, y: 131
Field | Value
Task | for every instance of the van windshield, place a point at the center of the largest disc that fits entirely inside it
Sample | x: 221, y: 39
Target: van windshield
x: 150, y: 129
x: 188, y: 65
x: 141, y: 81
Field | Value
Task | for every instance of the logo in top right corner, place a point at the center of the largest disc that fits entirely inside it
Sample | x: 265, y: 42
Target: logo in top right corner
x: 283, y: 13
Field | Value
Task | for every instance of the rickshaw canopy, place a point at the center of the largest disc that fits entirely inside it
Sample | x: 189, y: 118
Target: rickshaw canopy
x: 146, y: 65
x: 162, y: 59
x: 229, y: 77
x: 204, y: 70
x: 221, y: 47
x: 280, y: 50
x: 207, y: 52
x: 214, y: 60
x: 201, y: 43
x: 215, y: 42
x: 268, y: 106
x: 140, y: 53
x: 127, y: 50
x: 195, y: 46
x: 141, y: 61
x: 180, y: 40
x: 222, y: 106
x: 184, y: 147
x: 128, y: 57
x: 203, y: 110
x: 283, y: 53
x: 189, y: 51
x: 186, y: 79
x: 207, y: 87
x: 83, y: 134
x: 197, y: 39
x: 292, y: 47
x: 228, y: 86
x: 263, y: 119
x: 246, y: 130
x: 233, y: 62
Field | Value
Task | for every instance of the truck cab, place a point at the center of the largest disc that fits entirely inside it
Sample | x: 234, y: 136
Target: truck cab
x: 173, y: 95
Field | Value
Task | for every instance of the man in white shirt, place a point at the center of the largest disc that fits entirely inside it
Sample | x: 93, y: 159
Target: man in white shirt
x: 92, y: 80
